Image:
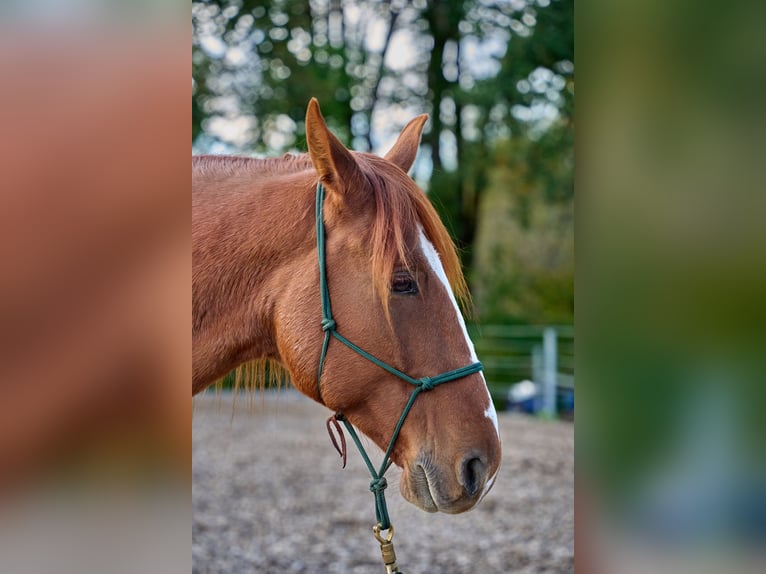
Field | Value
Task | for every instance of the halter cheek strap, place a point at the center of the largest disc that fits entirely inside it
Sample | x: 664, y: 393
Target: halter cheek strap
x: 378, y: 483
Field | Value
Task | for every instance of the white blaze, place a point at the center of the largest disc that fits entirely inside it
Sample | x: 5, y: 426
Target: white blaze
x: 432, y: 256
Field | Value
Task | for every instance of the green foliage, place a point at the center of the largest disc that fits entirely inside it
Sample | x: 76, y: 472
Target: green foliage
x: 524, y: 268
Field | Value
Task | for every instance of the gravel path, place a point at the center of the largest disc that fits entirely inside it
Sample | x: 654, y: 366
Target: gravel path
x: 269, y: 496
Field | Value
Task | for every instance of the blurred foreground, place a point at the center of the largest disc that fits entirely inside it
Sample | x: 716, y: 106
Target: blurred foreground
x: 670, y: 289
x: 94, y: 293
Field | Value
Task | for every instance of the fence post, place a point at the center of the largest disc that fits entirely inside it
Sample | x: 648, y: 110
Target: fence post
x: 550, y: 370
x: 538, y: 369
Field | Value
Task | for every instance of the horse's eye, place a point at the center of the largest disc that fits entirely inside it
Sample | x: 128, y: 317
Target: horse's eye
x: 403, y: 284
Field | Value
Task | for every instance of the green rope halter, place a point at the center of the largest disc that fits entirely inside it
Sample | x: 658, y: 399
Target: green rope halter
x: 378, y: 483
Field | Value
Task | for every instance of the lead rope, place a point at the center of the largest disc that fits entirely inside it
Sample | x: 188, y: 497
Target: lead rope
x: 378, y: 483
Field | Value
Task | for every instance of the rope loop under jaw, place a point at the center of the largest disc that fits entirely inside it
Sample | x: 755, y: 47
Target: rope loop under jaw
x: 328, y: 324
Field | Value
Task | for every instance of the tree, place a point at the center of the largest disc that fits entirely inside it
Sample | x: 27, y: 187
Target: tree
x: 530, y: 97
x: 269, y: 58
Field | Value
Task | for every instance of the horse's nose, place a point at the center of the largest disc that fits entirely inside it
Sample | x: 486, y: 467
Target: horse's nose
x: 473, y: 475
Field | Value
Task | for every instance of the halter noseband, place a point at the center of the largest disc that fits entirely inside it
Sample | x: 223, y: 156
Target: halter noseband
x: 378, y: 484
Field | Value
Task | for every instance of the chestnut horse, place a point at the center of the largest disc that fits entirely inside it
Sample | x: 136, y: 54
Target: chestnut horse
x: 391, y: 269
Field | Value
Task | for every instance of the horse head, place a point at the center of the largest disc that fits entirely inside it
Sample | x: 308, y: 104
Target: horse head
x: 393, y: 278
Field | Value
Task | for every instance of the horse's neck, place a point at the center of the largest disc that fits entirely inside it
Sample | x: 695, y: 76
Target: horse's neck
x: 244, y: 231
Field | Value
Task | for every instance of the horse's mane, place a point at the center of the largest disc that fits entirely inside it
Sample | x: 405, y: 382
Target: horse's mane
x: 263, y: 167
x: 400, y: 206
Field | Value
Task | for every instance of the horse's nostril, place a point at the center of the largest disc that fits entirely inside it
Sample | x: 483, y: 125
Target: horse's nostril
x: 473, y: 475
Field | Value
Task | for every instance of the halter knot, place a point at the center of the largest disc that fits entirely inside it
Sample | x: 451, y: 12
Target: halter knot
x: 426, y: 383
x: 328, y: 325
x: 378, y: 485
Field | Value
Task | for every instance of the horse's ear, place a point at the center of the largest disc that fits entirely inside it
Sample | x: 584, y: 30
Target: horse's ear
x: 405, y: 149
x: 333, y: 162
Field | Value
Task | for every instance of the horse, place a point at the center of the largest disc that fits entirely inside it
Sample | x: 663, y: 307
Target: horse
x: 392, y: 274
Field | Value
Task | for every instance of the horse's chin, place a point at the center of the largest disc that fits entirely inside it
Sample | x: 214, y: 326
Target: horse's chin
x: 425, y: 487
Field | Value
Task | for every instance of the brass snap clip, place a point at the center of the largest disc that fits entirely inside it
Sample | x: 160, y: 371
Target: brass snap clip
x: 387, y: 549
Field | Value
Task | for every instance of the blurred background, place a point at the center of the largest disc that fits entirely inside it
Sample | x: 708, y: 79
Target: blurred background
x: 497, y: 159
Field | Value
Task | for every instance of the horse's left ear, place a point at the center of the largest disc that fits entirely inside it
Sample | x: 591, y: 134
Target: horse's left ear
x: 405, y: 149
x: 334, y: 163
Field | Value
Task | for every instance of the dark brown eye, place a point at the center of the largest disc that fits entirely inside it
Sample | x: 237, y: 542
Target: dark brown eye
x: 404, y: 284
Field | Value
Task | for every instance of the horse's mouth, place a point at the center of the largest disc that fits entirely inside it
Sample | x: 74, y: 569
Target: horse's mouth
x: 417, y: 489
x: 422, y: 485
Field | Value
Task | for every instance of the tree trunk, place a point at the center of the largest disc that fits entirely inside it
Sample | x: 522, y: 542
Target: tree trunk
x: 394, y: 12
x: 438, y: 20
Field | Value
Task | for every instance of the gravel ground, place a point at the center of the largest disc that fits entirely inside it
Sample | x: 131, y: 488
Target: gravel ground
x: 269, y: 496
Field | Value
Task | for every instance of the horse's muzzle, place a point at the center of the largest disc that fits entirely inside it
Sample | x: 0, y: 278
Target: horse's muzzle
x: 451, y: 488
